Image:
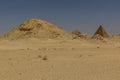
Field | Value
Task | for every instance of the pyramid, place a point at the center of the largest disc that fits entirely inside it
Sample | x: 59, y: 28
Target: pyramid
x: 38, y: 29
x: 101, y: 32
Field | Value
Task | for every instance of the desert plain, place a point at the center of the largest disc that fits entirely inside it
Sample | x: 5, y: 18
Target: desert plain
x: 60, y: 59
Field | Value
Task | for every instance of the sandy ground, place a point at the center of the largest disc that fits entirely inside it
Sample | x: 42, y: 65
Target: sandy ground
x: 59, y: 60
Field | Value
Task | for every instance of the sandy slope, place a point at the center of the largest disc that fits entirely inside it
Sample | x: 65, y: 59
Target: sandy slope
x: 66, y: 60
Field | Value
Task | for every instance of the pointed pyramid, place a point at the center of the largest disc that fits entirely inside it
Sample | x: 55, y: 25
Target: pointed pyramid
x: 101, y: 32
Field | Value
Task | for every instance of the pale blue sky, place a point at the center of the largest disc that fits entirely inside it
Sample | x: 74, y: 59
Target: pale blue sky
x: 85, y: 15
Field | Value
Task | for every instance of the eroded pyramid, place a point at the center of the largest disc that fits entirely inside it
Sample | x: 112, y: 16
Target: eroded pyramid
x: 38, y: 29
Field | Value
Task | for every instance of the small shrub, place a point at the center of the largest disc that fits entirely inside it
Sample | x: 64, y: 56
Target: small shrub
x: 72, y: 48
x: 39, y: 49
x: 20, y: 73
x: 81, y: 55
x: 9, y: 58
x: 98, y: 47
x: 118, y: 47
x: 28, y: 48
x: 45, y: 58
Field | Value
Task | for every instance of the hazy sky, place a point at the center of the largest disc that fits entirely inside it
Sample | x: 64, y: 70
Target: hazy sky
x: 85, y: 15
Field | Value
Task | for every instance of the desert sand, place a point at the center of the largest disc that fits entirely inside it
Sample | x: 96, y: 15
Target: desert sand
x: 36, y: 58
x: 59, y: 60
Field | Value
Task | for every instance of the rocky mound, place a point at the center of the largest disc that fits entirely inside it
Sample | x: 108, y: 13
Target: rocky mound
x: 38, y: 29
x: 78, y: 35
x: 98, y: 37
